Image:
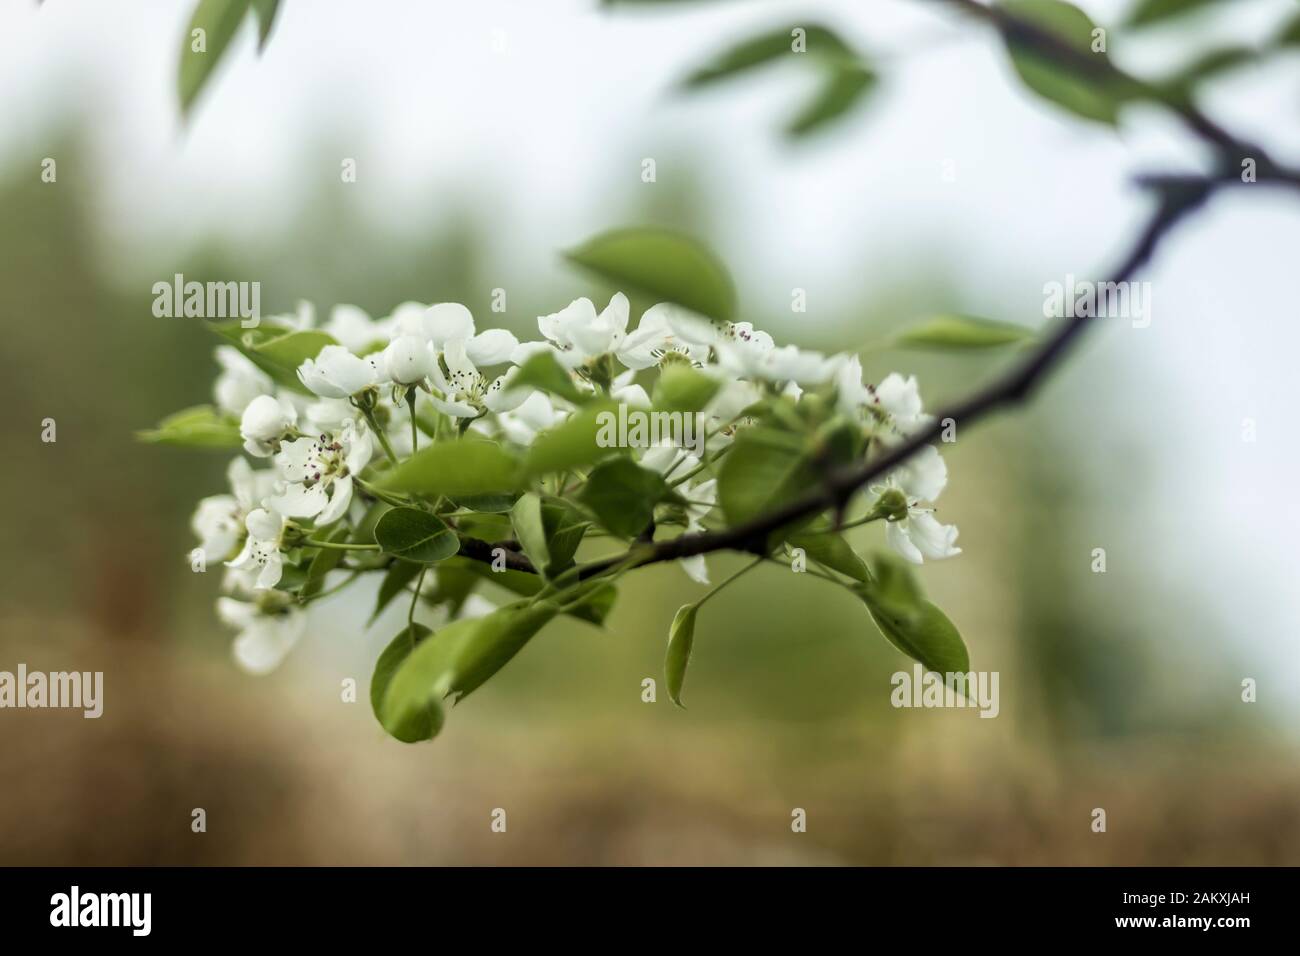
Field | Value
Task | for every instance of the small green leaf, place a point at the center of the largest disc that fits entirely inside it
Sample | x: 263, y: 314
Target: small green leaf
x: 829, y: 548
x: 909, y: 622
x: 468, y: 466
x: 565, y: 527
x: 199, y: 427
x: 681, y: 638
x: 767, y: 48
x: 962, y: 333
x: 543, y: 371
x: 1094, y: 96
x: 584, y: 438
x: 662, y: 265
x: 485, y: 504
x: 415, y: 723
x: 846, y: 85
x: 415, y: 535
x: 219, y: 20
x: 623, y: 496
x: 276, y: 351
x: 683, y: 388
x: 398, y: 576
x: 530, y: 529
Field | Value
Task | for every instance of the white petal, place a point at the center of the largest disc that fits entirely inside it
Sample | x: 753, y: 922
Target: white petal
x: 924, y: 475
x: 318, y: 382
x: 695, y: 568
x: 407, y: 359
x: 491, y: 347
x: 271, y: 571
x: 446, y: 321
x: 340, y: 496
x: 299, y: 501
x: 237, y: 614
x: 933, y: 539
x: 266, y: 642
x: 351, y: 327
x: 896, y: 535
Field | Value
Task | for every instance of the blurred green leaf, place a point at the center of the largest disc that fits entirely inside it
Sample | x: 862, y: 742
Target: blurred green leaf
x: 662, y: 265
x: 468, y: 466
x: 219, y: 20
x: 543, y: 371
x: 767, y: 48
x: 623, y: 496
x: 485, y: 504
x: 829, y: 548
x: 1147, y: 12
x: 683, y: 388
x: 1182, y: 84
x: 1290, y: 33
x: 594, y: 610
x: 398, y: 576
x: 276, y: 351
x: 266, y: 11
x: 417, y: 722
x: 325, y: 561
x: 199, y: 427
x: 843, y: 88
x: 571, y: 444
x: 681, y: 638
x: 1094, y: 97
x: 962, y: 333
x: 415, y: 535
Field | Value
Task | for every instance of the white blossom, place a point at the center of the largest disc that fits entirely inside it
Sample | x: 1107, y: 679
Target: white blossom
x: 265, y: 423
x: 218, y: 521
x: 240, y: 381
x: 580, y: 334
x: 267, y: 632
x: 261, y: 552
x: 337, y: 373
x: 318, y: 473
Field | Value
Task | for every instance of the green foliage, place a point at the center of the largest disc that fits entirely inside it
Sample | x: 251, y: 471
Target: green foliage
x: 219, y: 20
x: 199, y: 427
x: 419, y: 721
x: 1148, y: 12
x: 846, y: 76
x: 765, y: 467
x: 399, y: 575
x: 542, y: 371
x: 415, y: 535
x: 623, y: 496
x: 1094, y: 94
x: 265, y: 11
x: 682, y: 388
x: 910, y: 622
x: 454, y: 662
x: 276, y: 351
x: 324, y: 561
x: 572, y: 444
x: 829, y: 548
x: 663, y: 265
x: 467, y: 467
x: 962, y: 333
x: 681, y: 639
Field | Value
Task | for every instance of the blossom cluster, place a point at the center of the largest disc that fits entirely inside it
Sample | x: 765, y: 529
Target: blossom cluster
x: 426, y: 372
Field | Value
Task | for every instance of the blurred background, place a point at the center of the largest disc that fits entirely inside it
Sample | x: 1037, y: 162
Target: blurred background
x: 488, y: 137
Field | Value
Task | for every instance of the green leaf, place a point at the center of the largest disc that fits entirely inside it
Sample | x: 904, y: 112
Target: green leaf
x: 219, y: 20
x: 398, y: 576
x: 276, y: 351
x: 767, y: 48
x: 584, y: 438
x: 468, y: 466
x: 1182, y: 85
x: 594, y: 610
x: 530, y: 530
x: 325, y: 561
x: 415, y: 535
x: 909, y: 622
x: 662, y: 265
x: 829, y: 548
x: 417, y: 722
x: 683, y: 388
x: 485, y: 504
x: 265, y: 11
x: 1092, y: 96
x: 764, y: 468
x: 1157, y: 11
x: 623, y: 496
x: 199, y: 427
x: 565, y: 527
x: 681, y: 638
x: 459, y: 659
x: 1290, y: 33
x: 962, y: 333
x: 842, y: 90
x: 543, y: 371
